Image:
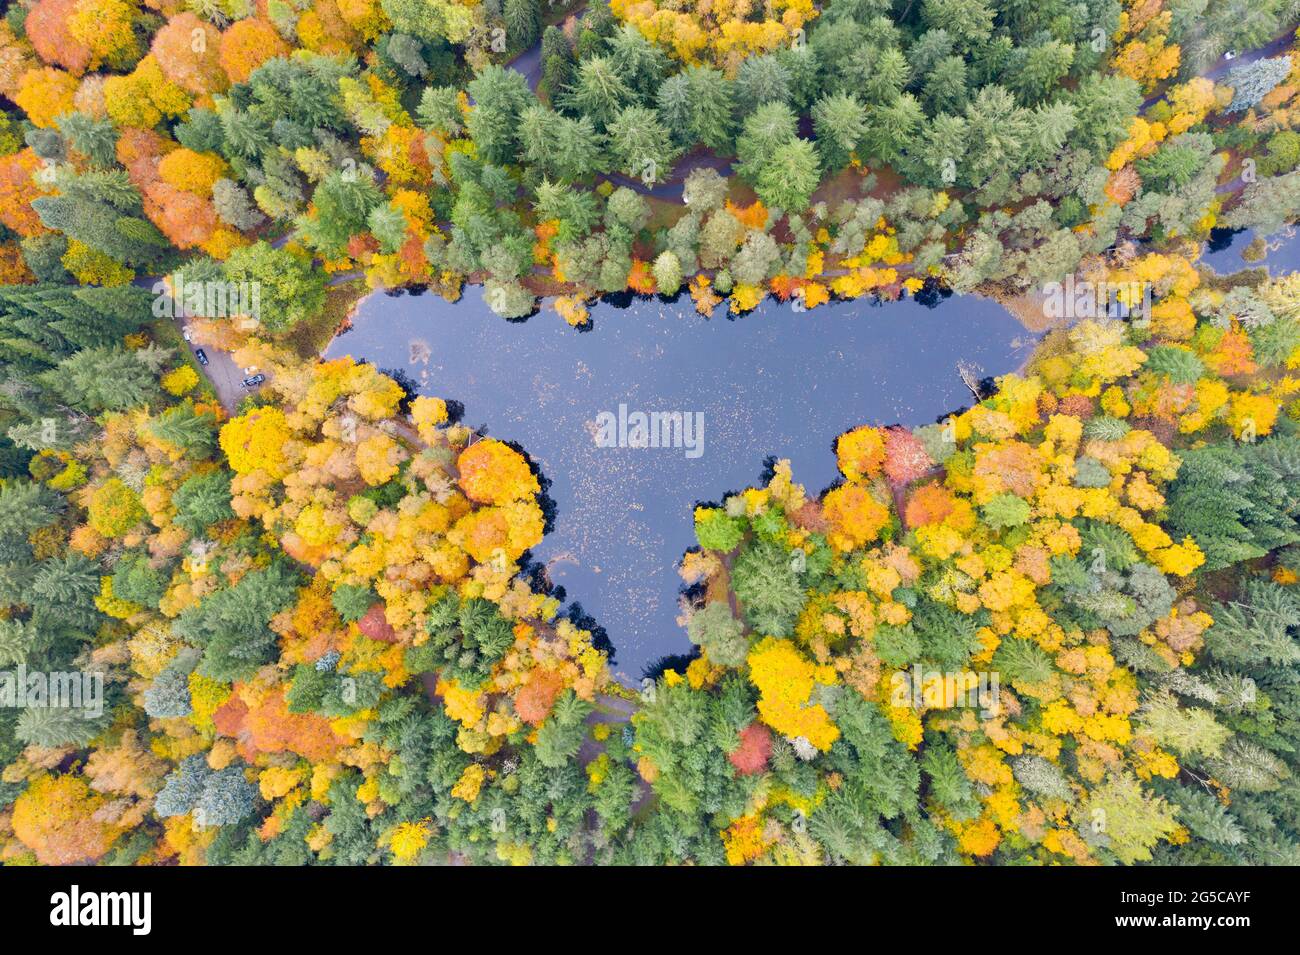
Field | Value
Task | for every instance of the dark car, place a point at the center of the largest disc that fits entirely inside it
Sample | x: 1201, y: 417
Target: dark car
x: 201, y: 355
x: 254, y: 381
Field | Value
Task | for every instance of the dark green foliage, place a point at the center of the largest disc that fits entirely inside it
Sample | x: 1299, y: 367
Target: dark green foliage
x: 1237, y: 501
x: 862, y: 821
x: 560, y: 736
x: 40, y: 325
x: 1106, y: 547
x: 136, y: 581
x: 465, y: 638
x: 330, y: 693
x: 1023, y: 662
x: 192, y: 431
x: 231, y: 624
x: 203, y: 500
x: 1181, y: 365
x: 353, y: 600
x: 948, y: 637
x: 26, y: 506
x: 947, y: 782
x: 719, y: 634
x: 500, y: 96
x: 768, y: 587
x: 897, y: 646
x: 103, y: 379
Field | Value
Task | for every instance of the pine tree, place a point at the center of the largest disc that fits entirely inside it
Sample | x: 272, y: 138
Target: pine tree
x: 1238, y: 501
x: 600, y: 91
x: 840, y: 122
x: 500, y: 96
x: 560, y: 737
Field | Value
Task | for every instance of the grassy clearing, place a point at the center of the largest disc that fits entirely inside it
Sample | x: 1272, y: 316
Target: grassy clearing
x: 310, y: 337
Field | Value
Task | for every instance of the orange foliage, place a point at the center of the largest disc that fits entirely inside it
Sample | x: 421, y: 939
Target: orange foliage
x: 784, y: 286
x: 492, y: 472
x: 247, y: 45
x: 706, y: 300
x: 1122, y: 185
x: 186, y: 219
x: 18, y: 188
x: 856, y: 517
x: 640, y: 279
x: 490, y: 532
x: 928, y: 504
x: 189, y: 52
x: 1233, y: 355
x: 47, y: 28
x: 860, y: 453
x: 13, y: 270
x: 57, y: 818
x: 15, y: 59
x: 536, y: 697
x: 260, y: 722
x: 139, y: 151
x: 753, y: 216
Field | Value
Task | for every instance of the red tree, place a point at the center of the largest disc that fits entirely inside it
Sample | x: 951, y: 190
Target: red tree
x: 47, y: 28
x: 376, y: 626
x: 754, y: 750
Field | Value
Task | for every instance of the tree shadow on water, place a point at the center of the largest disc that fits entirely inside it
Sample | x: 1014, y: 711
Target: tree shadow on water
x: 408, y: 385
x: 932, y: 293
x: 1221, y: 238
x: 672, y: 661
x: 585, y: 621
x: 544, y: 499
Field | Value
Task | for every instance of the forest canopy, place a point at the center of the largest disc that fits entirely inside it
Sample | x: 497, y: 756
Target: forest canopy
x: 1060, y: 626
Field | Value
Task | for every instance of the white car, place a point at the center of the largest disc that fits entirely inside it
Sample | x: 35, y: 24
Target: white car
x: 185, y: 334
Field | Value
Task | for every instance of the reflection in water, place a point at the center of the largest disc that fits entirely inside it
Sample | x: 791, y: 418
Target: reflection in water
x: 774, y: 383
x: 1224, y: 251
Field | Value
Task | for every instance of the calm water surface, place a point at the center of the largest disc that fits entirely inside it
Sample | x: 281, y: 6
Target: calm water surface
x: 1223, y: 252
x: 774, y: 383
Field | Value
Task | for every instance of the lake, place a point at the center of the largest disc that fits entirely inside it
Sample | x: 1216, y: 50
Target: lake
x: 1223, y: 252
x: 775, y: 383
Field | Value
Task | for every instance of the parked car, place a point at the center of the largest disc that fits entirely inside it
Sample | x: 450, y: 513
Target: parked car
x: 201, y: 355
x: 185, y: 334
x: 254, y: 381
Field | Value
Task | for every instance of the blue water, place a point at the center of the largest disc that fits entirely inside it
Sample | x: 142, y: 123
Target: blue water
x: 775, y: 382
x: 1283, y: 253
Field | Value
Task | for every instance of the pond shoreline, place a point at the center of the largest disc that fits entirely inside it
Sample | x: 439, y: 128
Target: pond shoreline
x: 769, y: 383
x: 535, y: 381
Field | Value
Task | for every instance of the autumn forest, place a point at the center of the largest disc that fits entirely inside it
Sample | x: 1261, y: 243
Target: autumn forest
x: 263, y: 608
